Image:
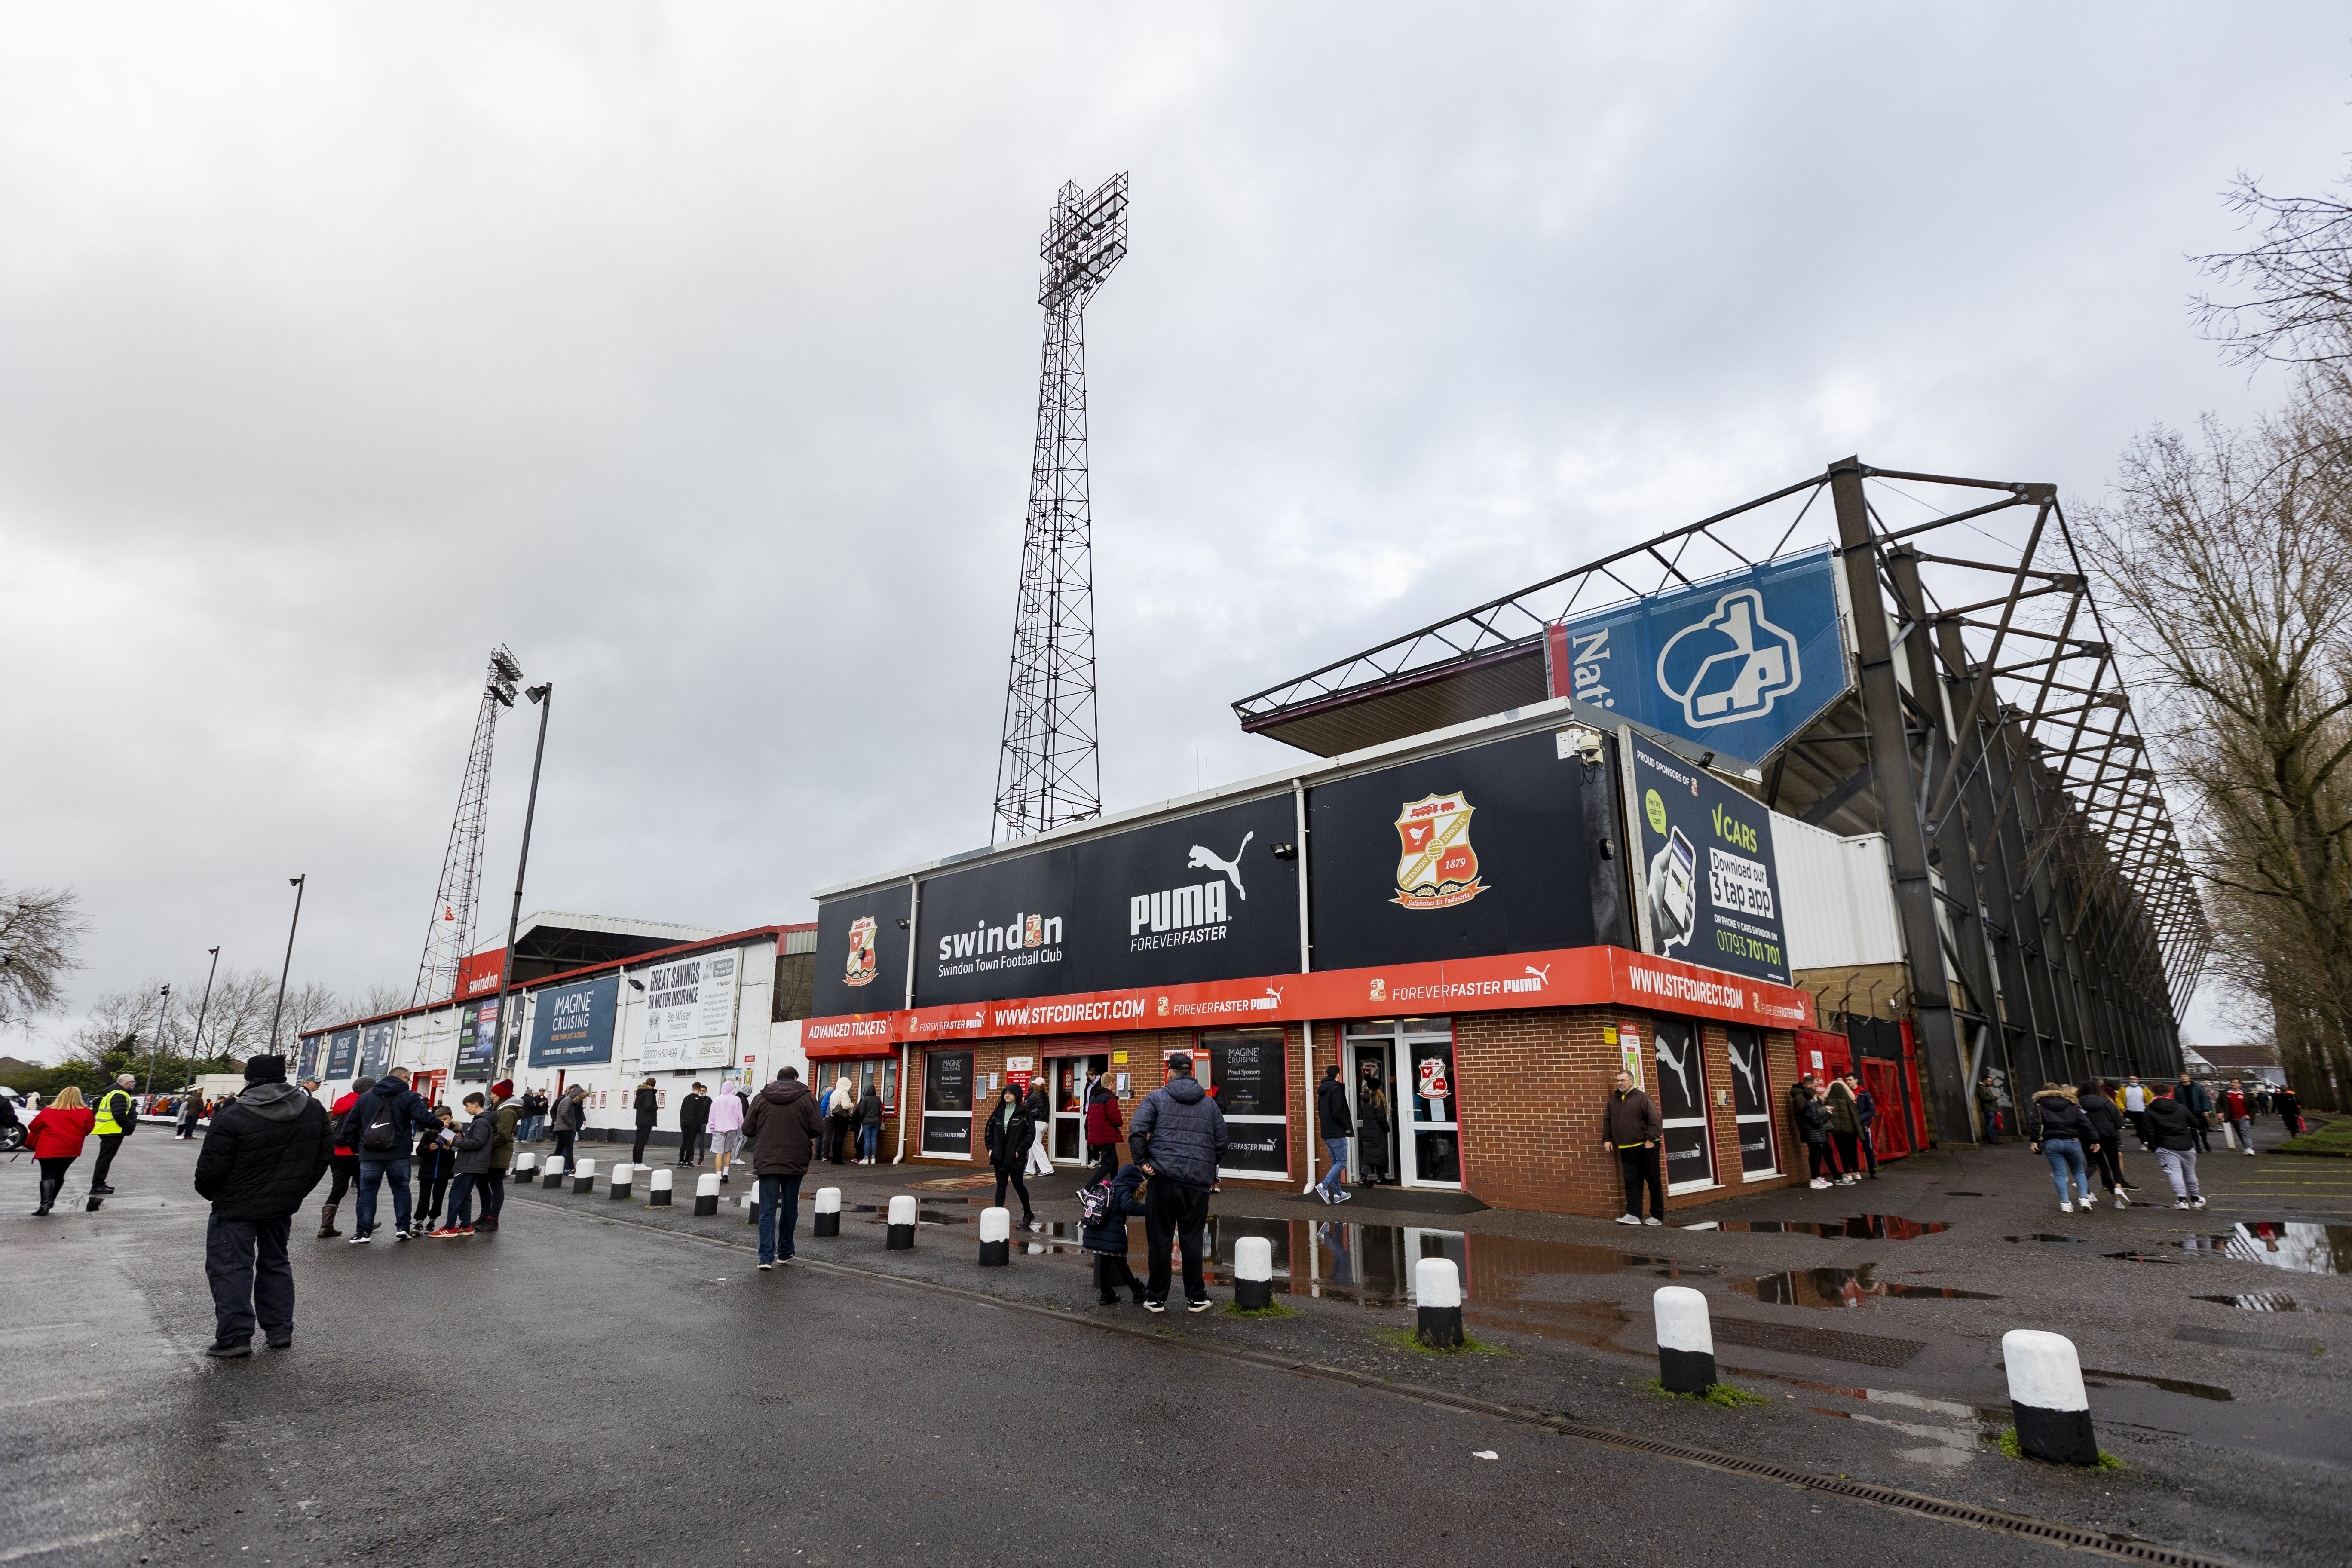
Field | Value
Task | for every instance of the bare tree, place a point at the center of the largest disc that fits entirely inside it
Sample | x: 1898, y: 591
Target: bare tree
x: 2298, y: 306
x: 40, y: 927
x: 383, y: 997
x: 307, y: 1006
x: 117, y: 1023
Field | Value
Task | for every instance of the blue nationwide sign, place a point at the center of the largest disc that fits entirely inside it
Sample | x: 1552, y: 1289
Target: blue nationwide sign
x: 1738, y: 664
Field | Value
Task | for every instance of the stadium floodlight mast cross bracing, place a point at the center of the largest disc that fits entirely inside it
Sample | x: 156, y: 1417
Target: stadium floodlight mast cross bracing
x: 450, y: 936
x: 1050, y: 771
x: 2051, y: 925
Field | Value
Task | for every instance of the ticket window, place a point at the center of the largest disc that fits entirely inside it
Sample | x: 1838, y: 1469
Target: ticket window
x: 877, y: 1075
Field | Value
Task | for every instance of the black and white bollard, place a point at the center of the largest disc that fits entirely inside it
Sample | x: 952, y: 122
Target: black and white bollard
x: 1686, y: 1340
x: 552, y: 1172
x: 623, y: 1175
x: 526, y: 1169
x: 751, y: 1208
x: 828, y: 1211
x: 1253, y: 1274
x: 1437, y: 1289
x: 902, y: 1224
x: 659, y: 1197
x: 2046, y: 1395
x: 583, y: 1178
x: 706, y: 1195
x: 995, y: 1237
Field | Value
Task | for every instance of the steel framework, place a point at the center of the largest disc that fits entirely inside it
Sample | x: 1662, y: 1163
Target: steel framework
x: 2052, y: 926
x: 449, y: 935
x: 1050, y: 771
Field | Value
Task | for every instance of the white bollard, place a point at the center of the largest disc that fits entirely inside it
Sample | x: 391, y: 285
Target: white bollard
x: 623, y: 1175
x: 554, y: 1171
x: 659, y: 1197
x: 995, y: 1237
x: 706, y: 1195
x: 1253, y: 1273
x: 901, y: 1234
x: 523, y: 1164
x: 583, y: 1177
x: 1437, y: 1289
x: 2047, y: 1396
x: 1686, y: 1340
x: 751, y: 1208
x: 828, y: 1211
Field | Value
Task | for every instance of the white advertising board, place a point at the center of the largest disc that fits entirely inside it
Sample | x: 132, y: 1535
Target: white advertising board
x: 691, y: 1013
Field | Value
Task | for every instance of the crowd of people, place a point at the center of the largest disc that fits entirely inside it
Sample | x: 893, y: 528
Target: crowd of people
x: 2080, y: 1128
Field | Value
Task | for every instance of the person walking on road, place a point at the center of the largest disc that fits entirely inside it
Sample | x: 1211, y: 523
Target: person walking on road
x: 570, y: 1119
x: 55, y: 1136
x: 2134, y: 1103
x: 185, y: 1126
x: 382, y: 1127
x: 1007, y: 1138
x: 2106, y: 1120
x: 2289, y: 1111
x: 869, y: 1126
x: 1845, y: 1131
x: 1989, y: 1108
x: 118, y: 1118
x: 726, y: 1129
x: 1178, y: 1140
x: 1334, y: 1126
x: 347, y: 1159
x: 1105, y: 1236
x: 1041, y: 1117
x: 2234, y: 1108
x: 693, y: 1117
x: 471, y: 1157
x: 1631, y: 1129
x: 781, y: 1132
x: 2176, y: 1149
x: 648, y: 1107
x: 260, y: 1159
x: 1105, y: 1128
x: 1813, y: 1127
x: 2063, y: 1136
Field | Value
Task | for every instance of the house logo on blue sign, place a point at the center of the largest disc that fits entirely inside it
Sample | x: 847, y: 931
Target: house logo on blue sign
x: 1731, y: 665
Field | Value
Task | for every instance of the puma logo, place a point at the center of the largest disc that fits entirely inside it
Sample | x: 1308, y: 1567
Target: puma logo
x: 1746, y: 1062
x: 1205, y: 860
x: 1680, y: 1065
x: 1543, y: 975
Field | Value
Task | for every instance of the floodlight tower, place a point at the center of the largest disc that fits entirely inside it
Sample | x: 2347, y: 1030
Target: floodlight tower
x: 1050, y: 773
x: 450, y: 936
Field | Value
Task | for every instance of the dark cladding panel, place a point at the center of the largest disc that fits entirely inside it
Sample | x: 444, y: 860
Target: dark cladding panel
x: 861, y: 953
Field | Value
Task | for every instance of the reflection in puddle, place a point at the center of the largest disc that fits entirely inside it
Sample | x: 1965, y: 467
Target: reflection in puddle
x: 2294, y: 1244
x: 2052, y: 1240
x: 1841, y: 1288
x: 2261, y: 1301
x: 2139, y: 1257
x: 1857, y: 1227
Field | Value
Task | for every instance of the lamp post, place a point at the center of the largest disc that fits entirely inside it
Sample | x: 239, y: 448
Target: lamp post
x: 197, y: 1044
x: 277, y: 1012
x: 162, y: 1011
x: 544, y: 695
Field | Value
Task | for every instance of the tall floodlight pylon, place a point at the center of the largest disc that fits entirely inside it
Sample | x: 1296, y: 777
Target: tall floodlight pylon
x: 1050, y: 771
x: 450, y: 936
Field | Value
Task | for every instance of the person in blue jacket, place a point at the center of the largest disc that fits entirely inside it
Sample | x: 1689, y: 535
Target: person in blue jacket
x: 1106, y: 1237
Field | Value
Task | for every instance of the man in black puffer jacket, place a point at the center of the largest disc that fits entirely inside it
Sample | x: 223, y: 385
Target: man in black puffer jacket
x: 1177, y: 1135
x: 264, y: 1153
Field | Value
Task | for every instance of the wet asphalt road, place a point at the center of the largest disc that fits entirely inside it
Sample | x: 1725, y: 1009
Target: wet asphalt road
x: 591, y: 1392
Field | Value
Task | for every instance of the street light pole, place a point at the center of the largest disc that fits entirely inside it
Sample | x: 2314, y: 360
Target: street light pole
x: 277, y: 1012
x: 544, y: 695
x: 163, y: 1012
x: 206, y: 1007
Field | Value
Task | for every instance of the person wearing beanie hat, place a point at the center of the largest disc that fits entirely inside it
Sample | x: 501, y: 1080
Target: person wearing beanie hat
x: 506, y: 1115
x: 263, y: 1153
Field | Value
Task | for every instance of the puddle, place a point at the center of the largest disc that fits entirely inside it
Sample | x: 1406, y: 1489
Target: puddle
x: 2139, y: 1257
x: 2052, y: 1240
x: 1857, y: 1227
x: 2294, y: 1244
x: 1964, y: 1195
x: 1840, y: 1288
x: 2261, y: 1301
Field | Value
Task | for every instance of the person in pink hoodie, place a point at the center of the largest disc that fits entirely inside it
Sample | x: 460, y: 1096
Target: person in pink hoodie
x: 725, y: 1126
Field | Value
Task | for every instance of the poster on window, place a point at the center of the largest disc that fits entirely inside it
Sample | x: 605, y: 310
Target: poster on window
x: 1751, y: 1103
x: 477, y: 1041
x: 947, y: 1103
x: 375, y: 1049
x: 1680, y: 1092
x: 691, y: 1013
x: 309, y: 1058
x: 571, y: 1026
x: 343, y: 1053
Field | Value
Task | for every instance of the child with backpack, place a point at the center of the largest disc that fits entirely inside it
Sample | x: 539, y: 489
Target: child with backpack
x: 1104, y: 1209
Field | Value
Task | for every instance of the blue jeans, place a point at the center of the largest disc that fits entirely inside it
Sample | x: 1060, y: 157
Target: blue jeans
x: 778, y: 1193
x: 370, y: 1172
x: 461, y: 1197
x: 1337, y: 1176
x: 869, y: 1142
x: 2065, y: 1155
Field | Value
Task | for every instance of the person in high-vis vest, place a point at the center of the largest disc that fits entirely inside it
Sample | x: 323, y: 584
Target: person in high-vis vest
x: 118, y: 1114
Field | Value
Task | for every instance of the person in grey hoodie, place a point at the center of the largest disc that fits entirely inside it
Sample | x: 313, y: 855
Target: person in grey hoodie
x: 1177, y: 1135
x: 260, y: 1160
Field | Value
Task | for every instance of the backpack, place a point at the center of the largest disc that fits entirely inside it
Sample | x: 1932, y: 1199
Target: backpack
x: 377, y: 1134
x: 1094, y: 1204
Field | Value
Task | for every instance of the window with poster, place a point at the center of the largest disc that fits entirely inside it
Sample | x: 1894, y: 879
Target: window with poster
x: 947, y: 1105
x: 1751, y: 1105
x: 1680, y: 1095
x: 1247, y: 1069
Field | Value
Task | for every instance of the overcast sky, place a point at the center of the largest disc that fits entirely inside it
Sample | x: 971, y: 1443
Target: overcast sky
x: 692, y: 351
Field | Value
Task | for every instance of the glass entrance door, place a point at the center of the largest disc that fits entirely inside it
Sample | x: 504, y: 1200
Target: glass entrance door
x: 1372, y: 1078
x: 1066, y: 1085
x: 1414, y: 1059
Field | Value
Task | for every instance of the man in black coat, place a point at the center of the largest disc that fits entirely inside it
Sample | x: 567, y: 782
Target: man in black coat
x: 263, y: 1153
x: 693, y: 1115
x: 648, y: 1112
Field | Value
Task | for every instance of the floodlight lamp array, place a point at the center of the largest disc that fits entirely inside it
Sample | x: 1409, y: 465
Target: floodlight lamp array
x: 1086, y: 240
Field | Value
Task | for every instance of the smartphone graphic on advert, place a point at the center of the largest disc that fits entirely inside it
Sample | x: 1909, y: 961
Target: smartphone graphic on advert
x: 1680, y: 899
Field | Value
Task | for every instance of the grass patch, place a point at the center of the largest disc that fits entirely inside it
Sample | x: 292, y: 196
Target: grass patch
x: 2335, y: 1138
x: 1273, y: 1309
x: 1722, y: 1395
x: 2013, y: 1449
x: 1408, y: 1340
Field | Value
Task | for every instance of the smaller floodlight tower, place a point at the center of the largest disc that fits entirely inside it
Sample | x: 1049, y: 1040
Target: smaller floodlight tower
x: 450, y: 936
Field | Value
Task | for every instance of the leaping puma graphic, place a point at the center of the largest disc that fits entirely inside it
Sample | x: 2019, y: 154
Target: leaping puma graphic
x: 1678, y: 1064
x: 1203, y: 858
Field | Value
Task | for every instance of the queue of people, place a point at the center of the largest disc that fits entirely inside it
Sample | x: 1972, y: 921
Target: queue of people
x: 1836, y: 1120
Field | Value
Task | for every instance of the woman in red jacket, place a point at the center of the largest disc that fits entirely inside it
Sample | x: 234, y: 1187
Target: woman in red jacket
x: 54, y: 1138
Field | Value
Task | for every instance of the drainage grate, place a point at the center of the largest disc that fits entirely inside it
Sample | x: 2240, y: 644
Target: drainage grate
x: 1836, y: 1344
x: 2246, y: 1340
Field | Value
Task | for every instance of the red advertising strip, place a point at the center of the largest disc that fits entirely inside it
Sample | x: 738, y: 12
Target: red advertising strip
x: 1567, y: 977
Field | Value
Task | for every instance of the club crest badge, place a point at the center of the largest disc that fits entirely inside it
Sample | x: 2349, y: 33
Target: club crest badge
x: 1436, y: 866
x: 861, y: 968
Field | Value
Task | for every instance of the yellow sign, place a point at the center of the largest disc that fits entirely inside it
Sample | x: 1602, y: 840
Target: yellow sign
x: 1119, y: 1058
x: 1608, y: 1033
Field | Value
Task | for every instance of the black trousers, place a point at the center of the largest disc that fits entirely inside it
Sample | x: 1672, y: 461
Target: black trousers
x: 1104, y: 1160
x: 636, y: 1155
x: 563, y: 1141
x: 1177, y: 1214
x: 246, y: 1261
x: 494, y: 1189
x: 2201, y: 1129
x: 2139, y: 1125
x: 1849, y: 1152
x: 1868, y: 1145
x: 1640, y: 1167
x: 347, y: 1174
x: 1112, y: 1274
x: 108, y: 1142
x: 1818, y: 1156
x: 432, y: 1190
x: 2108, y: 1160
x: 1019, y: 1185
x: 53, y: 1176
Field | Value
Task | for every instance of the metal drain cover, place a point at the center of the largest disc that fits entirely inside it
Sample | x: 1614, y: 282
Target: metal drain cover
x: 1834, y: 1344
x: 2247, y: 1340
